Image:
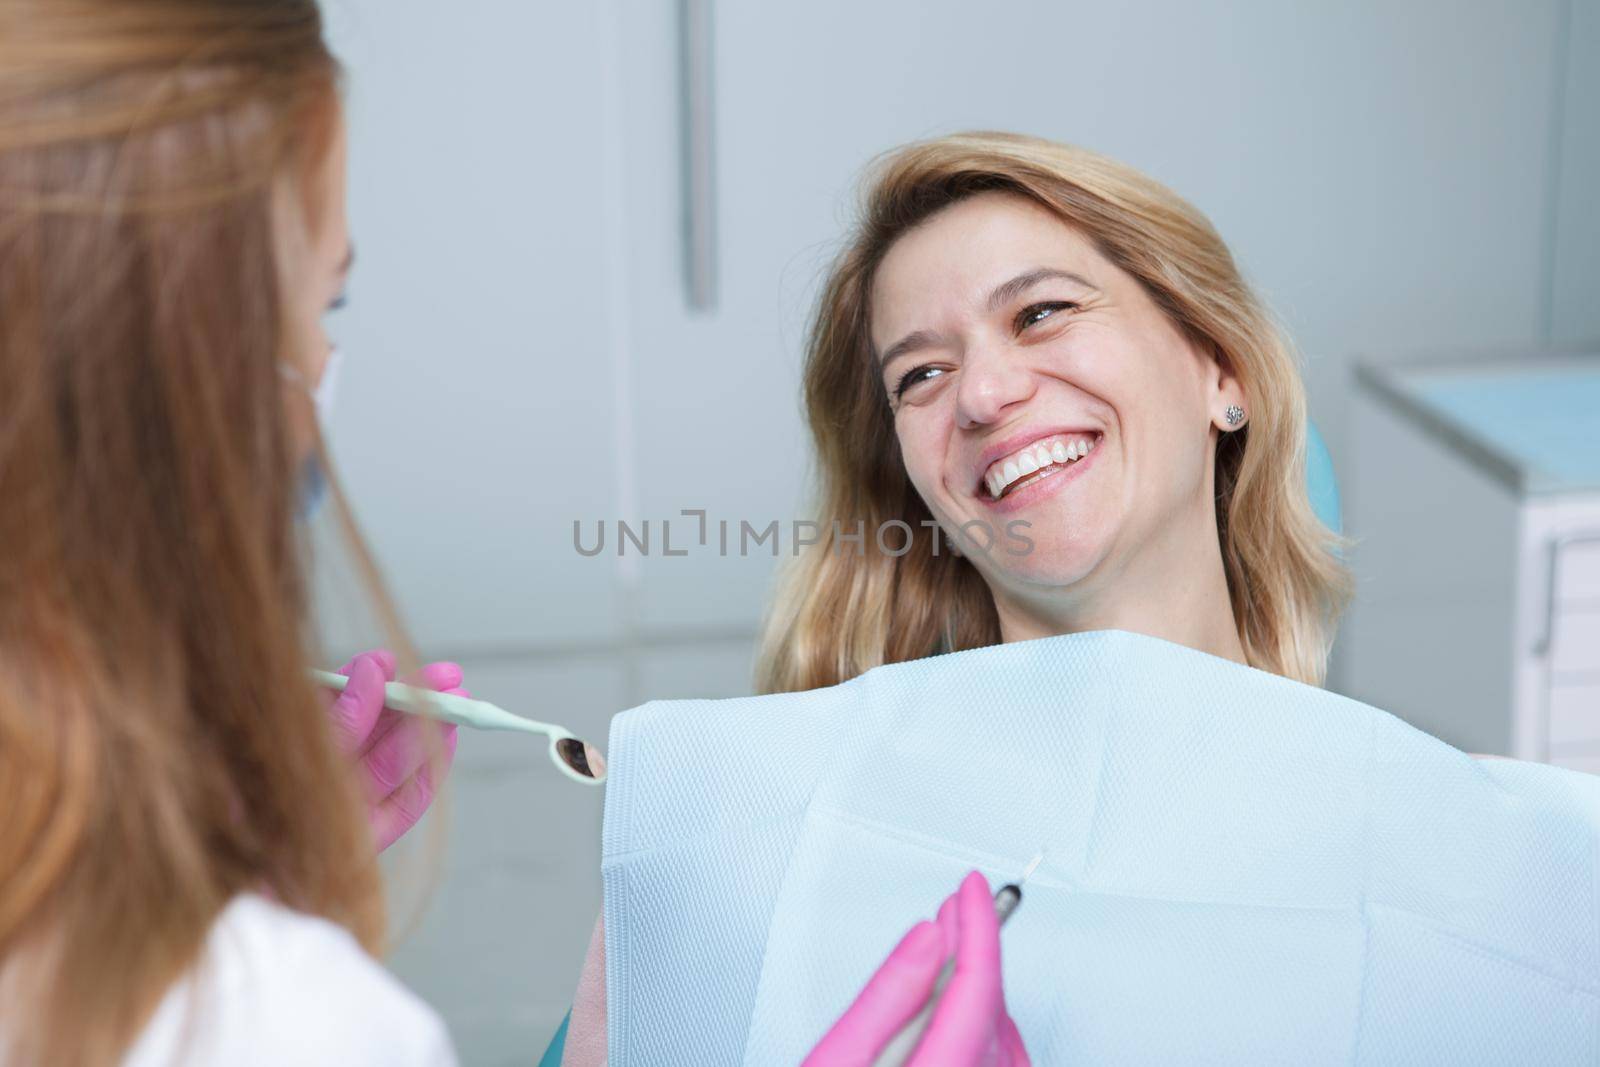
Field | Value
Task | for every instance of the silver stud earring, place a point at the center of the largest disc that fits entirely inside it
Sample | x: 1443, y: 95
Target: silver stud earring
x: 1234, y: 414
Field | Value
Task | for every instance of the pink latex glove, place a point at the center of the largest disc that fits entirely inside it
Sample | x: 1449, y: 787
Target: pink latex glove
x: 969, y: 1027
x: 390, y: 746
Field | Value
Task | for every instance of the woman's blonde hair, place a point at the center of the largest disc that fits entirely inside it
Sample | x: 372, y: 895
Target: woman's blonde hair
x: 161, y: 749
x: 840, y: 612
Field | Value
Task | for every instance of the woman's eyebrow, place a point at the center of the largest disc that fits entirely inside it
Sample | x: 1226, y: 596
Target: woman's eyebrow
x: 911, y: 342
x: 1002, y: 295
x: 349, y: 261
x: 1006, y: 292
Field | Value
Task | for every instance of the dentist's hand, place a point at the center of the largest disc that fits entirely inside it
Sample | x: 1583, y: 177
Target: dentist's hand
x: 391, y: 747
x: 969, y: 1027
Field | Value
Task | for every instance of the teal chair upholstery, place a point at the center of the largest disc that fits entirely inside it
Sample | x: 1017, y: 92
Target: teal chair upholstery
x: 1320, y: 484
x: 558, y: 1045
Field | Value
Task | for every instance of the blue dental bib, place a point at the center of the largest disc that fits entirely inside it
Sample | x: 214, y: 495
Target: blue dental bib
x: 1238, y: 868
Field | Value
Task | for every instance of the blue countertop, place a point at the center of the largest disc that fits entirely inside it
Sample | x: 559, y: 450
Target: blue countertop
x: 1534, y: 423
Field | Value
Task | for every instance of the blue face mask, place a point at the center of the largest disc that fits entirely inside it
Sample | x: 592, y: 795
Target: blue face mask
x: 313, y: 480
x: 313, y: 489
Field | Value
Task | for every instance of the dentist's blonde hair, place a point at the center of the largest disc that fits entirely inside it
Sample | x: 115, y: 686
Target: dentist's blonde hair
x: 839, y: 612
x: 162, y: 750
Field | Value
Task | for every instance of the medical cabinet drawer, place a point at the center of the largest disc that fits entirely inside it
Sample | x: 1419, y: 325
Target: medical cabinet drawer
x: 1474, y: 503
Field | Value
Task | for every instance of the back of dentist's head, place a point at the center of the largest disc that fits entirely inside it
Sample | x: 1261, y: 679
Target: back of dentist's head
x: 160, y: 751
x: 838, y: 612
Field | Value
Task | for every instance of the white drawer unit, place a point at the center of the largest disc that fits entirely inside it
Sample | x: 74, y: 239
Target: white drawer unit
x: 1475, y: 505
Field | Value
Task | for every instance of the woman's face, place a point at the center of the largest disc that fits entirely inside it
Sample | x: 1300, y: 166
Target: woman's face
x: 1008, y: 346
x: 316, y: 253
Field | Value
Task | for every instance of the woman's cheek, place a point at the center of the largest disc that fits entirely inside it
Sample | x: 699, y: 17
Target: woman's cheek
x: 920, y: 460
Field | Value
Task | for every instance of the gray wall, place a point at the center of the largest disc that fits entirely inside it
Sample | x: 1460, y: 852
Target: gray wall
x: 1395, y: 177
x: 1573, y: 291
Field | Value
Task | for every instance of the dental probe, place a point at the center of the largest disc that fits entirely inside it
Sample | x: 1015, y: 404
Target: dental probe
x: 900, y: 1048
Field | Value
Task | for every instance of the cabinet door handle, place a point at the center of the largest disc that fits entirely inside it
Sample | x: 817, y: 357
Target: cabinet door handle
x: 1558, y: 545
x: 697, y: 117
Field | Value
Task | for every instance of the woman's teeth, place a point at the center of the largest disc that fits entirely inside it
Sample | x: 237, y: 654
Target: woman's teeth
x: 1024, y: 466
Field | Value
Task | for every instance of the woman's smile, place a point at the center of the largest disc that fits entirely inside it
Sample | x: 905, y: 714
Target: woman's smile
x: 1038, y: 472
x: 1045, y: 455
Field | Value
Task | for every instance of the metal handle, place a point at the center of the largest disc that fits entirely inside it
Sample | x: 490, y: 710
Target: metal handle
x: 1558, y: 545
x: 697, y: 118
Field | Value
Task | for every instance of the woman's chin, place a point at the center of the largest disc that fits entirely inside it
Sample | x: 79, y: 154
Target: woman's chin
x: 1045, y: 565
x: 1053, y: 544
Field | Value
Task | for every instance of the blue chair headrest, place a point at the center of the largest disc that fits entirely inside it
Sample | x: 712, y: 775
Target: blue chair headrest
x: 1320, y: 483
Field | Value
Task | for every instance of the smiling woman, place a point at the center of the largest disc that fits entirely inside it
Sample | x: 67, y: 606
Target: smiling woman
x: 1030, y: 336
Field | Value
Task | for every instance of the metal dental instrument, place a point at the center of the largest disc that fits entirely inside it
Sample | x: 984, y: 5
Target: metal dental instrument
x: 574, y: 757
x: 899, y: 1050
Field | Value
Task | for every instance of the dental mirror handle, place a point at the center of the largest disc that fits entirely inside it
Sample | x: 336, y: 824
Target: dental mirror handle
x: 448, y: 707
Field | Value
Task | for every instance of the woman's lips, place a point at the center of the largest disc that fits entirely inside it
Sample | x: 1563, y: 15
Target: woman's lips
x: 1057, y: 450
x: 1042, y: 484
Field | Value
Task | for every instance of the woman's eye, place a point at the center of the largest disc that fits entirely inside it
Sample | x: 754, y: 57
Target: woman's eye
x: 1036, y: 313
x: 912, y: 377
x: 338, y: 302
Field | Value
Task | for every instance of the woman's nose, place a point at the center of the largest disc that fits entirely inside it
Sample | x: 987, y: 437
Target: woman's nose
x: 989, y: 385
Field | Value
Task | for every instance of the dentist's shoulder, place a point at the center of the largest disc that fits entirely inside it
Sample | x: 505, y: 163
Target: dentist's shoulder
x: 276, y: 986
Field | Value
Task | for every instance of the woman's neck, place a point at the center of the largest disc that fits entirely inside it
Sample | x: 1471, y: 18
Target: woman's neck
x: 1179, y: 595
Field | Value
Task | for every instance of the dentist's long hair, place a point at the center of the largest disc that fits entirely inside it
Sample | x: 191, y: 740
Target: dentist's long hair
x: 160, y: 747
x: 839, y: 613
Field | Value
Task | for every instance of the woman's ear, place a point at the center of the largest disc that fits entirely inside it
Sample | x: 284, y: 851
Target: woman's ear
x: 1226, y: 391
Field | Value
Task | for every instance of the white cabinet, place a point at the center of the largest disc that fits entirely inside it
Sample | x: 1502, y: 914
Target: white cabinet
x: 1560, y: 677
x: 1476, y: 504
